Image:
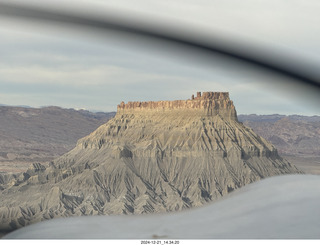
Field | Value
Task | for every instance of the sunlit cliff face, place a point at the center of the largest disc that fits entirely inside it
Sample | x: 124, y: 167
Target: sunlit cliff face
x: 207, y: 104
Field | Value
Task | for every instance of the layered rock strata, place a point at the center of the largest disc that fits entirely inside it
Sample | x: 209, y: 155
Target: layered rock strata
x: 151, y: 157
x: 207, y: 104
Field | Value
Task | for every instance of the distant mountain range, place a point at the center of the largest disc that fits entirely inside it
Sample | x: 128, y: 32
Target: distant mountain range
x: 30, y: 135
x: 296, y: 137
x: 292, y: 135
x: 277, y: 117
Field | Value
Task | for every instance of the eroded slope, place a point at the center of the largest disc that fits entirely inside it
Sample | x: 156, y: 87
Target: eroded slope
x: 145, y: 160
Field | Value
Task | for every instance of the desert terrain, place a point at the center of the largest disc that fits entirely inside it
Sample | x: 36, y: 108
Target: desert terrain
x: 149, y: 157
x: 32, y: 135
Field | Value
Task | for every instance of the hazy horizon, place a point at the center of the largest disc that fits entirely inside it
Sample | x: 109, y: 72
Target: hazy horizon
x: 97, y: 111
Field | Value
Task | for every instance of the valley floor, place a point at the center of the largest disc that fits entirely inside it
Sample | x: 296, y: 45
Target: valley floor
x: 309, y: 165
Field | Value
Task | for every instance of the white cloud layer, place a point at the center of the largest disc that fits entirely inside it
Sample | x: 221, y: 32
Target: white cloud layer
x: 69, y: 69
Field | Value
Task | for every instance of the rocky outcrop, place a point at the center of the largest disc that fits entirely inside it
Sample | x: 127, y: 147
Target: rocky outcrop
x: 151, y: 157
x: 207, y: 104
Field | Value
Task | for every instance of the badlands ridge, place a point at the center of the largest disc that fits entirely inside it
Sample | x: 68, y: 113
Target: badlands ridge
x: 151, y: 157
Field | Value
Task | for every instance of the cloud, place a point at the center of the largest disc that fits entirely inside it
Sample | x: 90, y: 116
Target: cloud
x: 41, y: 67
x: 74, y: 76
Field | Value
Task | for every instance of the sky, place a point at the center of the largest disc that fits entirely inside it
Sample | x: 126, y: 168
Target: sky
x: 43, y: 65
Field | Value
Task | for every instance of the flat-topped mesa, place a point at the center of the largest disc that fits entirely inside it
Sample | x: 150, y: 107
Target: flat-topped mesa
x: 207, y: 104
